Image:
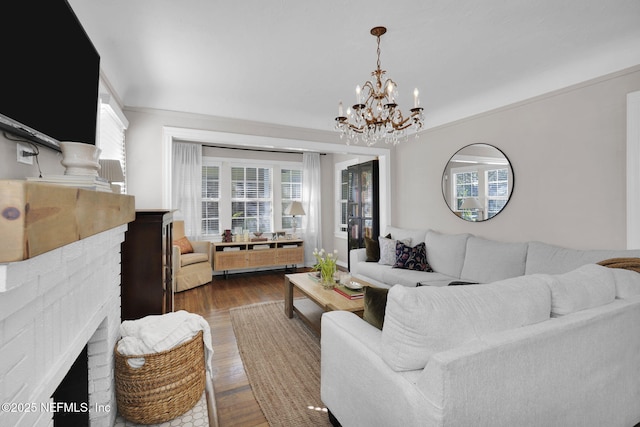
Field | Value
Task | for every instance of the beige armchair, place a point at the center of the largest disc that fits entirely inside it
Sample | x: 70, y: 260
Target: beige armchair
x: 190, y: 269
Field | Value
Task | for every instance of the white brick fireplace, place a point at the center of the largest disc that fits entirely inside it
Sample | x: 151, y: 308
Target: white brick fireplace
x: 51, y: 307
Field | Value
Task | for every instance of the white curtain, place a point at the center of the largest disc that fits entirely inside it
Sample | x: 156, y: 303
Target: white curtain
x: 312, y: 221
x: 186, y: 194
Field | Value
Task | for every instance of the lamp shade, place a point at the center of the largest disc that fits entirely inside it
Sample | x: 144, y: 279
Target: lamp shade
x: 471, y: 203
x: 111, y: 170
x: 295, y: 208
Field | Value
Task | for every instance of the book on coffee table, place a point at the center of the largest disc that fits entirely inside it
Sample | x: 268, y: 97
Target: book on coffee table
x: 349, y: 293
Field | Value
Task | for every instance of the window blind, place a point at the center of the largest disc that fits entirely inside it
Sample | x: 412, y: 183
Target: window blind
x: 111, y: 139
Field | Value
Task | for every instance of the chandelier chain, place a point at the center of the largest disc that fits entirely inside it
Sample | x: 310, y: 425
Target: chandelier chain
x: 378, y: 51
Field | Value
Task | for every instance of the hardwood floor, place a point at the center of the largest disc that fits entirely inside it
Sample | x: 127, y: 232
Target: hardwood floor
x: 234, y: 398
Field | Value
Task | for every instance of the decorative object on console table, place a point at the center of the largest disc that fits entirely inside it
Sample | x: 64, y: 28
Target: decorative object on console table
x: 295, y: 209
x: 258, y: 237
x: 147, y: 276
x: 363, y: 204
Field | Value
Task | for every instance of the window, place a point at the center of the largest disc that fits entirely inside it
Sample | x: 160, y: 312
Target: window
x: 247, y: 194
x: 497, y: 190
x: 211, y: 199
x: 489, y: 186
x: 111, y: 138
x: 291, y: 189
x: 251, y: 199
x: 466, y: 185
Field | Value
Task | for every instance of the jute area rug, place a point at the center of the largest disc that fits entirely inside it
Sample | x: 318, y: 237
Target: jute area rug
x: 281, y: 357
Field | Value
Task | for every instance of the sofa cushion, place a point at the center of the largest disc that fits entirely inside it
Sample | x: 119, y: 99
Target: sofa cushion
x: 550, y: 259
x: 422, y: 321
x: 414, y: 236
x: 184, y: 244
x: 411, y: 278
x: 627, y: 283
x: 373, y: 249
x: 193, y: 258
x: 375, y: 303
x: 585, y: 287
x: 486, y: 261
x: 445, y: 252
x: 388, y: 250
x: 411, y: 257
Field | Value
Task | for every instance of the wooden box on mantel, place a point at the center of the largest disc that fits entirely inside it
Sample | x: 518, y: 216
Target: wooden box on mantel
x: 36, y: 217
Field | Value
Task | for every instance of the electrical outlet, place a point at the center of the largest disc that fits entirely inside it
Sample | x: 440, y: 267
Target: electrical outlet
x: 21, y: 149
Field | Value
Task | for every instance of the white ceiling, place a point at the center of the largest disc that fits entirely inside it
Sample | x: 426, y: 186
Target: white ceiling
x: 290, y: 61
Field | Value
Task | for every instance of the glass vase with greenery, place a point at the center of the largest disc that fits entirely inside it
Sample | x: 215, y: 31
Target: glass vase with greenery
x: 326, y: 266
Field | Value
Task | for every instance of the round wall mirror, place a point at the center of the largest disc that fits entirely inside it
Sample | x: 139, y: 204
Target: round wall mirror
x: 477, y: 182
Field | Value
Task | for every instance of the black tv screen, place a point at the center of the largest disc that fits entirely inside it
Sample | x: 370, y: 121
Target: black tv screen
x: 49, y: 74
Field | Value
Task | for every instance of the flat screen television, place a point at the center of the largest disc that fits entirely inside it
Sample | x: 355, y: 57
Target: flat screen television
x: 49, y: 73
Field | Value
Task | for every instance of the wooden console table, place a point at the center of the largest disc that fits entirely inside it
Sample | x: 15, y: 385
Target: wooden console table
x: 270, y: 253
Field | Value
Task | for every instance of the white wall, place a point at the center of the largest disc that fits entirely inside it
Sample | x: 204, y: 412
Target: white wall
x: 10, y: 169
x: 568, y: 152
x: 144, y: 140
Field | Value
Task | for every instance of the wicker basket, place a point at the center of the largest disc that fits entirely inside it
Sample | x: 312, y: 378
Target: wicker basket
x: 166, y: 386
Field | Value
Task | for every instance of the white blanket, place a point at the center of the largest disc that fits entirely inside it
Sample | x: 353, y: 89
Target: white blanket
x: 156, y: 333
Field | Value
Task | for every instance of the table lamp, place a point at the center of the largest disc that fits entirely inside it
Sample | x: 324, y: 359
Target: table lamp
x: 473, y: 203
x: 111, y: 170
x: 294, y: 209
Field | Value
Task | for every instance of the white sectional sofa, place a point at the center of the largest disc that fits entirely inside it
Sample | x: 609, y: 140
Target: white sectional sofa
x: 464, y: 257
x: 548, y: 339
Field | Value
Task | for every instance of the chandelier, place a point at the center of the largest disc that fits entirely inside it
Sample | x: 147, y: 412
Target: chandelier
x: 378, y: 117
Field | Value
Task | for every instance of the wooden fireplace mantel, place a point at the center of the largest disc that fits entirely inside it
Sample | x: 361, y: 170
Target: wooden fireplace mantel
x: 37, y: 217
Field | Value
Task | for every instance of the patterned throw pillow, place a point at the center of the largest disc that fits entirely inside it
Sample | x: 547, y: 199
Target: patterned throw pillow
x: 388, y: 250
x: 412, y: 258
x: 184, y: 244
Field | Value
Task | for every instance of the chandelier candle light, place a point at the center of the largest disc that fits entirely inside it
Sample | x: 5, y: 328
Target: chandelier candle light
x: 378, y: 117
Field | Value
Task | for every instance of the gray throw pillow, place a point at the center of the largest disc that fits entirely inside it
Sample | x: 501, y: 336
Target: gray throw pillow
x: 388, y: 250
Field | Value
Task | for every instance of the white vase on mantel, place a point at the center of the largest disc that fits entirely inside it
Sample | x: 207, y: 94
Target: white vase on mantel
x: 79, y: 158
